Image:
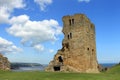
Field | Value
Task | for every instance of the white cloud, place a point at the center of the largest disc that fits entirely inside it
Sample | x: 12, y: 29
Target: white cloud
x: 4, y: 15
x: 34, y: 32
x: 43, y: 3
x: 7, y: 6
x: 84, y: 1
x: 8, y: 47
x: 38, y: 47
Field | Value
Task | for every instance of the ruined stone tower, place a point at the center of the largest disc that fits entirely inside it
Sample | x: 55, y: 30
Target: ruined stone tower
x: 78, y: 53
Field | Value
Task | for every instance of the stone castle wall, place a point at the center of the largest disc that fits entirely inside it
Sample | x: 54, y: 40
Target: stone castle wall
x: 78, y: 53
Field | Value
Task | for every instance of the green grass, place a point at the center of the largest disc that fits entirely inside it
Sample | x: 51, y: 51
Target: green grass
x: 112, y: 74
x: 115, y: 69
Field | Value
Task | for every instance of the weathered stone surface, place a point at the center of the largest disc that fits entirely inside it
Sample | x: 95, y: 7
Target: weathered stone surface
x: 78, y: 53
x: 4, y: 63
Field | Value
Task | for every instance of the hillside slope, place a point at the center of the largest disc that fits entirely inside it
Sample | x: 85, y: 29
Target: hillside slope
x: 114, y: 69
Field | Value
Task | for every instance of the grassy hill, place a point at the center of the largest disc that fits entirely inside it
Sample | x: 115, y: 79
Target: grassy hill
x: 112, y: 74
x: 115, y: 69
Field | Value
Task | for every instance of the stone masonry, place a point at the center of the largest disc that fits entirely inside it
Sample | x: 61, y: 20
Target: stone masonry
x: 4, y: 63
x: 78, y: 53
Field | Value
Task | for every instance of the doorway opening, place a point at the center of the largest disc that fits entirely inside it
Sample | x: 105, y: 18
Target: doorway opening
x: 56, y: 68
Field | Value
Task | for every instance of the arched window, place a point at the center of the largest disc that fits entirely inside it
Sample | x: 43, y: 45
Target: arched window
x: 60, y: 59
x: 71, y: 35
x: 68, y: 36
x: 72, y: 21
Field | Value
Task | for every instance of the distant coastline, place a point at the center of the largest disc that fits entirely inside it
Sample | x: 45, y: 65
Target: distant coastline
x: 108, y: 64
x: 41, y: 67
x: 27, y: 67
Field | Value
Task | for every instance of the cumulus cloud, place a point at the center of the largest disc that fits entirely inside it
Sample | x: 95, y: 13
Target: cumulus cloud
x: 34, y: 32
x: 4, y: 15
x: 43, y: 3
x: 38, y: 47
x: 7, y: 6
x: 84, y: 1
x: 8, y: 47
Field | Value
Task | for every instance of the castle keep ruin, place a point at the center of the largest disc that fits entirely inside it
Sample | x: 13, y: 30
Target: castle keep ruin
x: 78, y: 53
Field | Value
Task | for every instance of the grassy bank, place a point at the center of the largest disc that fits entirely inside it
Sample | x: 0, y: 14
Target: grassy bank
x: 112, y: 74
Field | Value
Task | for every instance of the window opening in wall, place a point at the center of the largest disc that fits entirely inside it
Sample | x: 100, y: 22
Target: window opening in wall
x: 70, y: 35
x: 67, y: 45
x: 88, y: 49
x: 60, y: 59
x: 56, y: 68
x: 92, y: 51
x: 70, y: 22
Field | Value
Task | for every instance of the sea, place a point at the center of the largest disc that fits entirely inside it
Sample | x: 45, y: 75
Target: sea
x: 41, y: 68
x: 108, y: 64
x: 32, y: 68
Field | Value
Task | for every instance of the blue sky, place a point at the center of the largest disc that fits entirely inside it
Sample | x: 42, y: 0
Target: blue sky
x: 30, y: 30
